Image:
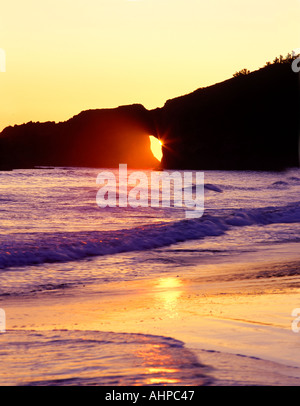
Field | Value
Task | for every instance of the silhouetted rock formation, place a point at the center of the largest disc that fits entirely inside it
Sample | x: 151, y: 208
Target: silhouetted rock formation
x: 247, y: 122
x: 93, y: 138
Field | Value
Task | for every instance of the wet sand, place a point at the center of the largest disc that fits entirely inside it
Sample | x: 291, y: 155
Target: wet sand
x: 241, y: 330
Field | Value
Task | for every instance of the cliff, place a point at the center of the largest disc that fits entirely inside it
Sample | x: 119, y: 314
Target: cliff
x: 93, y: 138
x: 249, y: 122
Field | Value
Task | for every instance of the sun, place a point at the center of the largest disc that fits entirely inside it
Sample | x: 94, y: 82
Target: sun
x: 156, y: 147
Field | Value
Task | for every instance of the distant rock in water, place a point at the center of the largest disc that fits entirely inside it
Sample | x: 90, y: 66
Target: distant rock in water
x: 214, y: 188
x: 249, y: 122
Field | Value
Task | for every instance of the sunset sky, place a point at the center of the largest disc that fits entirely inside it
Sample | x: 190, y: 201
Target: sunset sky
x: 65, y: 56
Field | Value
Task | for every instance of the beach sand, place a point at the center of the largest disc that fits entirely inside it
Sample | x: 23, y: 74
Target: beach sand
x: 240, y: 330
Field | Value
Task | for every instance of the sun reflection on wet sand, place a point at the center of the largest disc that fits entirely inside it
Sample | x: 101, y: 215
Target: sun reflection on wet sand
x: 168, y: 290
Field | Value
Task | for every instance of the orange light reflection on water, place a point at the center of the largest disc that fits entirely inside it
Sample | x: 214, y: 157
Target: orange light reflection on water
x: 159, y: 381
x: 160, y: 364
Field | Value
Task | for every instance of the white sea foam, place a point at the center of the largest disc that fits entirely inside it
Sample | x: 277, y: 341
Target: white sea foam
x: 62, y: 247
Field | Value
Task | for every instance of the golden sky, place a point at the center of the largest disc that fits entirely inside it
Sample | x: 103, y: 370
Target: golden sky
x: 65, y: 56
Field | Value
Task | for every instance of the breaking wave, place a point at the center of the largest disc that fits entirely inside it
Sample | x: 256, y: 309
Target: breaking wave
x: 36, y: 248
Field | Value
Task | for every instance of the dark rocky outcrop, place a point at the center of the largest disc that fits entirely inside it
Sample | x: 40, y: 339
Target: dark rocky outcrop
x: 249, y: 122
x: 93, y: 138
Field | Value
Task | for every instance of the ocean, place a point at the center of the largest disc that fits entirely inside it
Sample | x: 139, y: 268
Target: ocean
x: 145, y: 296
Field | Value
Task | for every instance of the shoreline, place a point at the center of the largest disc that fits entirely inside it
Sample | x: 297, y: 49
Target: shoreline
x: 239, y: 321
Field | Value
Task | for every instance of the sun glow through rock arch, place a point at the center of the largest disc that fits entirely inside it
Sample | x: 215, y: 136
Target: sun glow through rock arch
x: 156, y: 147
